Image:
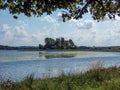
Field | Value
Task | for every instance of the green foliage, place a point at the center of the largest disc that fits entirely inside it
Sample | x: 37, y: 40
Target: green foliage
x: 29, y: 81
x: 49, y: 43
x: 71, y: 8
x: 41, y: 46
x: 2, y: 47
x: 96, y: 79
x: 112, y: 85
x: 59, y: 43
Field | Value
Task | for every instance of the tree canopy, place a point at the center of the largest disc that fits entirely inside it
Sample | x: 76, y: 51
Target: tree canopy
x: 71, y: 8
x: 58, y: 43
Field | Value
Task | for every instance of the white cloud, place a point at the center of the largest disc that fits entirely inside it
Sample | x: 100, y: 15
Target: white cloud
x: 90, y: 33
x: 19, y: 32
x: 5, y: 27
x: 39, y: 37
x: 23, y: 23
x: 59, y: 16
x: 83, y: 24
x: 94, y: 37
x: 12, y: 35
x: 5, y: 34
x: 87, y: 24
x: 117, y: 17
x: 86, y: 32
x: 49, y: 19
x: 17, y: 35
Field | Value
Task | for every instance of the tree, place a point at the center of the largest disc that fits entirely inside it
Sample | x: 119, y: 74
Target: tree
x: 71, y: 44
x: 71, y: 8
x: 59, y: 43
x: 49, y: 43
x: 63, y: 46
x: 41, y: 46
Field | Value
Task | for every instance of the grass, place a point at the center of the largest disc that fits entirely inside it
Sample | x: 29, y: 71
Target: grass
x: 114, y: 50
x: 97, y: 78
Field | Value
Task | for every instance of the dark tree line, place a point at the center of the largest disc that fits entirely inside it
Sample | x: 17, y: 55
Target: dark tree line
x: 58, y: 43
x: 2, y: 47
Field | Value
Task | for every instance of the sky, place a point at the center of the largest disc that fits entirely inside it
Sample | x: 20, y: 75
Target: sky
x: 31, y: 31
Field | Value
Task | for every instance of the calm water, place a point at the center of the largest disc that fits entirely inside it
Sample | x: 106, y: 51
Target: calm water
x: 16, y: 65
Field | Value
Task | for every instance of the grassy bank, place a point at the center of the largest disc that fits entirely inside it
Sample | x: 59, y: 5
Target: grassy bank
x: 97, y: 78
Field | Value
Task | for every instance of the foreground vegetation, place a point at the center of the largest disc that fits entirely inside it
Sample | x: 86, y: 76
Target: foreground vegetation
x: 96, y: 78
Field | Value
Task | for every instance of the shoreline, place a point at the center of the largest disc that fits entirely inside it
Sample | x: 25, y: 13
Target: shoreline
x: 97, y: 78
x: 62, y: 50
x: 53, y: 50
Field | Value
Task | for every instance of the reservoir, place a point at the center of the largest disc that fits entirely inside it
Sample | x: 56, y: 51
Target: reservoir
x: 16, y: 65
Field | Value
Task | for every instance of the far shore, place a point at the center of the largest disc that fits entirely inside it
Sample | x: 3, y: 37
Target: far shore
x: 78, y: 48
x: 70, y: 50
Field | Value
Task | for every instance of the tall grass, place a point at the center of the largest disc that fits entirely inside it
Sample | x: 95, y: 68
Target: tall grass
x: 97, y: 78
x: 98, y: 64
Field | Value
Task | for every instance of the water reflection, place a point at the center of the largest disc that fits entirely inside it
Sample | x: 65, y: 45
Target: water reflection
x: 56, y: 55
x: 41, y: 63
x: 41, y: 55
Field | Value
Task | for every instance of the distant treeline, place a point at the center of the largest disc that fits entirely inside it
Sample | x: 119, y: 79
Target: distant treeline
x: 104, y: 48
x: 2, y: 47
x: 61, y: 43
x: 58, y: 43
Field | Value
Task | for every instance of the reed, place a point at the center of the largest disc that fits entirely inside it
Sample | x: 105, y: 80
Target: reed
x: 97, y: 78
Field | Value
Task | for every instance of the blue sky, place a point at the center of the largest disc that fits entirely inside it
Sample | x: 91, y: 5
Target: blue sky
x: 84, y: 32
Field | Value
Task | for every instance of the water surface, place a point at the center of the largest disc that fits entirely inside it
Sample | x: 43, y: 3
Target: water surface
x: 16, y: 65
